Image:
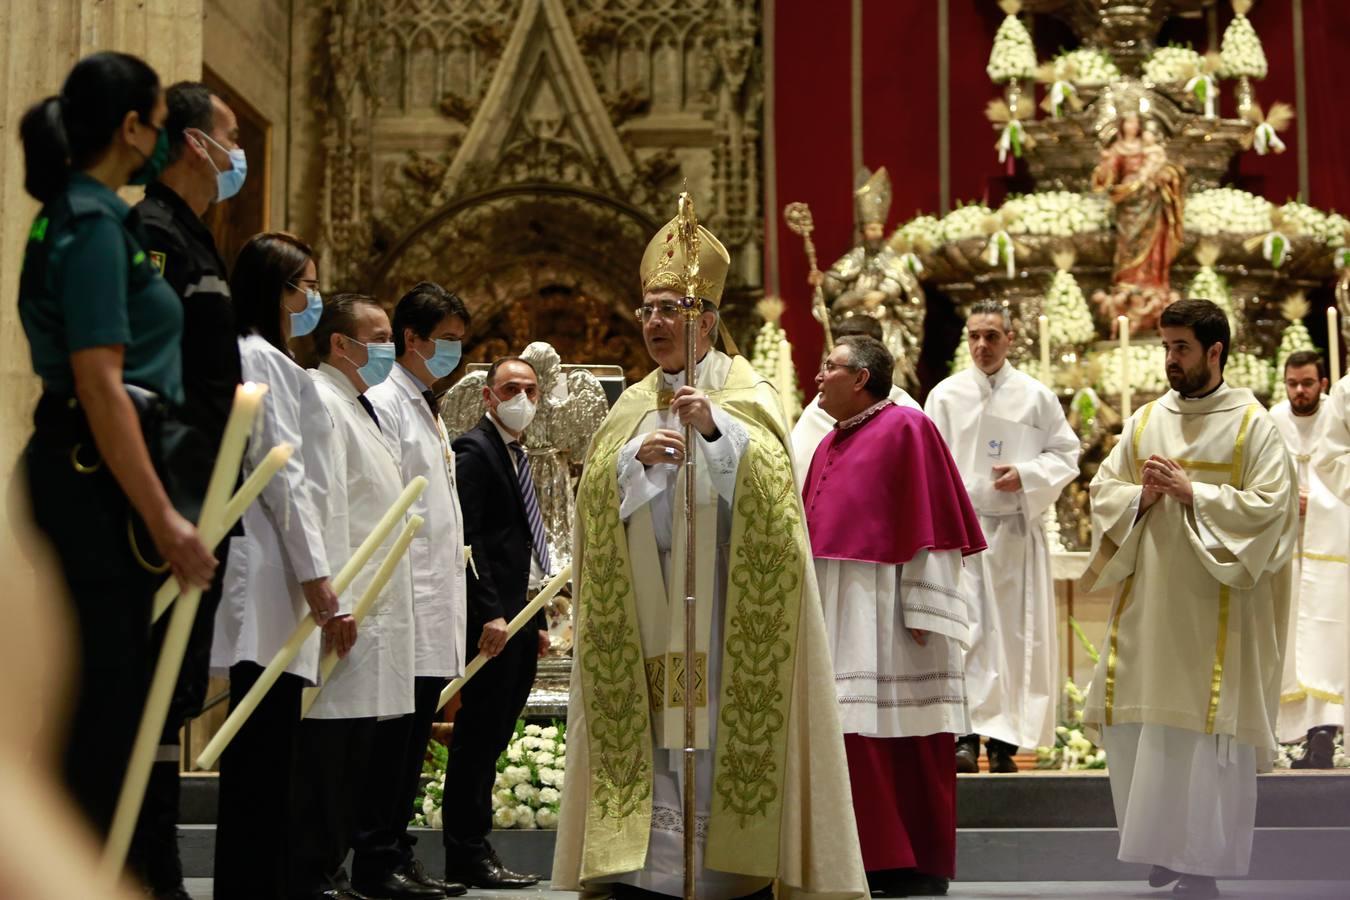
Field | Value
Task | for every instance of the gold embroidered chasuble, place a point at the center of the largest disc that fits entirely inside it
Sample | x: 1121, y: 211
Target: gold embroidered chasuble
x: 781, y: 802
x: 1197, y: 629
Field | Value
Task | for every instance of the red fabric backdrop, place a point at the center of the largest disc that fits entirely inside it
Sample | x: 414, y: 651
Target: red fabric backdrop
x: 812, y: 141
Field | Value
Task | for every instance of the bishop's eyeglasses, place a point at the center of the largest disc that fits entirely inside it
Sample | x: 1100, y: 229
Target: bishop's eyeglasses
x: 667, y: 309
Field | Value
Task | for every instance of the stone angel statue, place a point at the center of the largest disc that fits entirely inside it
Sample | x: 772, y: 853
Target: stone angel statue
x: 572, y: 405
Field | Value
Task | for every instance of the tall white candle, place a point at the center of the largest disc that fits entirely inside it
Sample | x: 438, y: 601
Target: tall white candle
x: 1046, y: 376
x: 1333, y: 344
x: 1123, y: 325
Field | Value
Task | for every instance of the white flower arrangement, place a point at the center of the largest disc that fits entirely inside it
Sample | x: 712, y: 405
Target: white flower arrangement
x: 963, y: 223
x: 1309, y: 221
x: 1050, y: 522
x: 1013, y: 56
x: 1072, y: 750
x: 1249, y: 371
x: 771, y: 357
x: 1066, y: 309
x: 1227, y: 210
x: 1148, y: 370
x: 1085, y: 66
x: 1335, y: 230
x: 1241, y: 50
x: 527, y: 791
x: 1171, y: 65
x: 1058, y: 213
x: 1209, y: 285
x: 921, y: 231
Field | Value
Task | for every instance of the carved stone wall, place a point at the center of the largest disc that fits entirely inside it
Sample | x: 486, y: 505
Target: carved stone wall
x: 521, y: 152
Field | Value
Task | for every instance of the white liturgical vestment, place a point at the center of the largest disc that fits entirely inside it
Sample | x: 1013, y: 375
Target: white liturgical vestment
x: 1012, y: 669
x: 1331, y: 461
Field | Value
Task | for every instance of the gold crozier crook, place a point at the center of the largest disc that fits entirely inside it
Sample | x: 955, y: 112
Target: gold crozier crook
x: 692, y: 306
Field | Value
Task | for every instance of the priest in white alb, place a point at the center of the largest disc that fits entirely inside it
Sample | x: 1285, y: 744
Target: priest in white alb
x: 1331, y: 462
x: 1195, y: 520
x: 815, y: 423
x: 1016, y: 453
x: 771, y: 792
x: 1312, y: 695
x: 890, y: 525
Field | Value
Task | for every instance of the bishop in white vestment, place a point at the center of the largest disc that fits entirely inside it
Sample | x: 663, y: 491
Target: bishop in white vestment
x: 1195, y: 517
x: 1311, y: 706
x: 1012, y: 669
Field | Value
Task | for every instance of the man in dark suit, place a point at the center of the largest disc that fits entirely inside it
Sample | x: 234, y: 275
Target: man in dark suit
x: 505, y: 531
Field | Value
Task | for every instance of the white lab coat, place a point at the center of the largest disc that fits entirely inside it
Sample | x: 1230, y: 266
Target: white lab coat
x: 420, y: 442
x: 283, y: 540
x: 376, y: 678
x: 1012, y: 669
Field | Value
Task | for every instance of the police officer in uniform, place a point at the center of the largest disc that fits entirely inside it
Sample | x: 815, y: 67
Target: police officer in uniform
x: 101, y: 322
x: 206, y: 166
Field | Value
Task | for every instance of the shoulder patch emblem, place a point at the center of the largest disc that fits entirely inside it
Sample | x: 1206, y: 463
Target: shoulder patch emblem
x: 157, y: 260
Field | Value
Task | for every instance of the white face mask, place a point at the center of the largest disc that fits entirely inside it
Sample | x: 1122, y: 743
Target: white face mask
x: 516, y: 413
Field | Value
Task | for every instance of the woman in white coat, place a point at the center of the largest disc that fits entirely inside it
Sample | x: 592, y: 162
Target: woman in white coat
x: 375, y: 681
x: 276, y: 572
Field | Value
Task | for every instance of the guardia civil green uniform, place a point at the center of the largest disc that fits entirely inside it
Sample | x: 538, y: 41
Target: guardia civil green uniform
x: 87, y: 282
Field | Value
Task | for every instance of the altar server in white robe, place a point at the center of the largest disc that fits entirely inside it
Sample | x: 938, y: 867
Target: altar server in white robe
x: 1331, y: 462
x: 375, y: 679
x: 429, y: 326
x: 276, y: 571
x: 1311, y: 702
x: 1012, y: 669
x: 1195, y: 520
x: 888, y: 560
x: 815, y: 423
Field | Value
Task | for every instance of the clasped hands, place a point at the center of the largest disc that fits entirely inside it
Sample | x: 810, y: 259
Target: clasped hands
x: 664, y: 445
x: 1163, y: 477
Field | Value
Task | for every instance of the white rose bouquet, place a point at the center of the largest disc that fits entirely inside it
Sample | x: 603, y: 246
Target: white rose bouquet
x: 1241, y: 49
x: 964, y: 222
x: 1013, y: 56
x: 1057, y: 213
x: 1072, y: 750
x: 1065, y: 307
x: 1249, y: 371
x: 1086, y: 66
x: 1227, y: 210
x: 1208, y: 284
x: 1172, y: 65
x: 920, y: 231
x: 1148, y: 370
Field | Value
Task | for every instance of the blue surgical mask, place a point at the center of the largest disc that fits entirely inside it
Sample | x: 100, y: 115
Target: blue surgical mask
x: 231, y: 181
x: 443, y: 361
x: 302, y: 323
x: 379, y: 362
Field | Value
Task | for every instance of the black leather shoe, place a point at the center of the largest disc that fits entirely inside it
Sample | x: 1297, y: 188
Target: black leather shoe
x: 398, y: 886
x: 341, y: 889
x: 1320, y: 750
x: 913, y: 883
x: 1000, y: 757
x: 1196, y: 887
x: 1161, y: 876
x: 418, y: 873
x: 967, y: 756
x: 489, y: 873
x: 178, y: 893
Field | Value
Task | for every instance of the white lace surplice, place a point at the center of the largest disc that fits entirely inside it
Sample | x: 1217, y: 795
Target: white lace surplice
x: 888, y: 685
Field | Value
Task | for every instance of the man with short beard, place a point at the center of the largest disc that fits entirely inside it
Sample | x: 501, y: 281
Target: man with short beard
x: 1195, y: 520
x: 1314, y: 668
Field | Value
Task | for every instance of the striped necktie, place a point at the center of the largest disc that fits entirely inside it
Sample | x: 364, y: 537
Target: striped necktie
x: 536, y: 519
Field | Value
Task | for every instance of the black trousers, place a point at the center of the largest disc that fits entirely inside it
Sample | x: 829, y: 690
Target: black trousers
x: 256, y: 771
x: 382, y: 842
x: 154, y: 847
x: 490, y: 705
x: 334, y: 762
x: 84, y: 518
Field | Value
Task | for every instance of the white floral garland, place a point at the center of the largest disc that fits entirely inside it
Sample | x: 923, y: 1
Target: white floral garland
x: 1249, y: 371
x: 1170, y: 65
x: 1013, y: 56
x: 1067, y: 313
x: 922, y: 230
x: 1241, y: 52
x: 1227, y: 210
x: 964, y: 222
x: 1148, y: 370
x: 1058, y: 213
x: 1088, y: 67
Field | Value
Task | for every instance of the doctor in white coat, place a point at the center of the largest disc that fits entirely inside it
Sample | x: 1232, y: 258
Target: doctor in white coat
x: 1012, y: 668
x: 375, y: 680
x: 429, y: 326
x: 276, y: 571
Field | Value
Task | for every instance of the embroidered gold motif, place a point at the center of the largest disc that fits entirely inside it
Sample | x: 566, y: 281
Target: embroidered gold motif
x: 609, y: 654
x: 760, y: 634
x: 678, y: 676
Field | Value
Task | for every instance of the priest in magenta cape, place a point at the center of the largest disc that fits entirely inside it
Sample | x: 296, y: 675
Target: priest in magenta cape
x: 890, y: 524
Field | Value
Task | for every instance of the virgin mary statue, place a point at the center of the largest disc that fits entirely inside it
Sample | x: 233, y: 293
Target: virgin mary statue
x: 1147, y: 192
